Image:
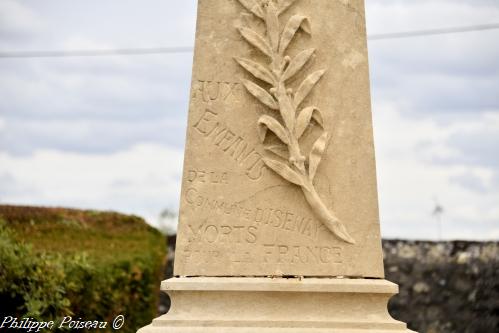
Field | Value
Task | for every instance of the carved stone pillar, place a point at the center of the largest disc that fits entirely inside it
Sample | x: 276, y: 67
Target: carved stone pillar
x: 279, y: 227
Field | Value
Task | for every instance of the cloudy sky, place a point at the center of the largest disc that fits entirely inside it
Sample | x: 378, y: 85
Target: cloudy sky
x: 108, y: 132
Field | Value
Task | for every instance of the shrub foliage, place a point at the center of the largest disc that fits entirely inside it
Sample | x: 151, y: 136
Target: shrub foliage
x: 84, y: 264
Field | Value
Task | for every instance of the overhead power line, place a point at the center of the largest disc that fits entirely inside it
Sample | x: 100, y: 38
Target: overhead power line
x: 444, y: 31
x: 93, y: 53
x: 189, y: 49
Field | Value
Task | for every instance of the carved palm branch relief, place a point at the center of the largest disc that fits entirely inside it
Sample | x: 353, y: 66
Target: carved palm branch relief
x: 292, y: 165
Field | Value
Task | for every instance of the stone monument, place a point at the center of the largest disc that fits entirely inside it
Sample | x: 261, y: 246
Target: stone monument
x: 278, y: 225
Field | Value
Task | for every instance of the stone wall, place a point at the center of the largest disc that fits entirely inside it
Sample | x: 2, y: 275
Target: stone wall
x: 445, y: 287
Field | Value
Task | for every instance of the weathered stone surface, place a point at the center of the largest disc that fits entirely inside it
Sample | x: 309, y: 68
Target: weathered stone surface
x: 256, y: 201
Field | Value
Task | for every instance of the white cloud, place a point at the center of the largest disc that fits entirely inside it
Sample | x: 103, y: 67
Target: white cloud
x: 440, y: 74
x: 143, y: 23
x: 142, y: 180
x: 18, y: 22
x: 410, y: 182
x: 390, y: 16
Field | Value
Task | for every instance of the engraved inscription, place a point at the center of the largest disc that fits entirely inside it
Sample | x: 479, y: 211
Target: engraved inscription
x: 212, y: 233
x: 209, y: 91
x: 199, y: 254
x: 265, y: 254
x: 280, y: 253
x: 210, y: 177
x: 231, y: 144
x: 277, y: 95
x: 259, y: 216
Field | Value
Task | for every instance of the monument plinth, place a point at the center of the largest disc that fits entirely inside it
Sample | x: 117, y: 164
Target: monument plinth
x: 278, y: 225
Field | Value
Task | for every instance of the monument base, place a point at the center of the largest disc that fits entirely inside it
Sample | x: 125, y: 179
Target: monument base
x: 277, y: 305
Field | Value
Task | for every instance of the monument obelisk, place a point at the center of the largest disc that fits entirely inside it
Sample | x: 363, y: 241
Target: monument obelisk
x: 278, y: 225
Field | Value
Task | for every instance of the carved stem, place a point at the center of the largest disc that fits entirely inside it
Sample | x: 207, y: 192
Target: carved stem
x: 286, y: 106
x: 323, y: 213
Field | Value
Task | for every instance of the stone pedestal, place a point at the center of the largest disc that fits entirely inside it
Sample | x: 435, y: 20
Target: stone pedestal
x: 265, y: 305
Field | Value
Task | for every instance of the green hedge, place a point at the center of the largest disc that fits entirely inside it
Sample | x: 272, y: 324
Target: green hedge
x: 84, y: 264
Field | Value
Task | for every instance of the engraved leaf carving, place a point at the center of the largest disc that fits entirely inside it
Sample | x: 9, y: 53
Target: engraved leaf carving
x: 279, y: 150
x: 297, y: 63
x: 260, y: 94
x: 285, y: 4
x: 272, y: 26
x: 295, y: 169
x: 316, y: 154
x: 307, y: 85
x: 284, y: 171
x: 294, y: 23
x: 257, y: 70
x: 253, y: 7
x: 304, y: 119
x: 256, y: 40
x: 270, y: 123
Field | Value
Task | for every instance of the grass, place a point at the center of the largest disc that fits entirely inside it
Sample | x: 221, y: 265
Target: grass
x: 108, y: 236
